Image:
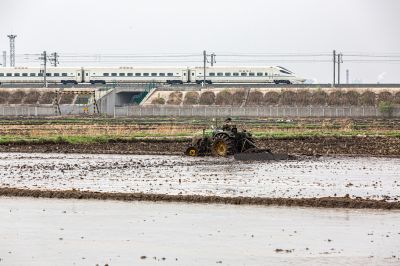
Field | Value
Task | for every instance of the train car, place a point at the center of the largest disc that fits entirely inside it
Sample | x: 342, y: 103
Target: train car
x: 170, y: 75
x: 62, y: 75
x: 277, y: 75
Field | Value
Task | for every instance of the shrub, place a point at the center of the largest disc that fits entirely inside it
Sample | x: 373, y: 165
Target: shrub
x: 191, y: 98
x: 303, y: 98
x: 224, y: 98
x: 238, y: 97
x: 336, y: 98
x: 207, y: 98
x: 319, y: 97
x: 47, y: 97
x: 271, y: 98
x: 255, y: 98
x: 32, y: 97
x: 351, y: 98
x: 368, y: 98
x: 16, y: 97
x: 288, y: 97
x: 386, y: 108
x: 175, y: 98
x: 4, y: 95
x: 385, y: 96
x: 396, y: 98
x: 158, y: 100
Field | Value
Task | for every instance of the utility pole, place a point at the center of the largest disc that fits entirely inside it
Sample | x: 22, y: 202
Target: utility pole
x: 4, y: 58
x: 205, y: 66
x: 347, y: 76
x: 213, y: 59
x: 340, y: 60
x: 334, y: 68
x: 54, y: 59
x: 44, y: 58
x: 12, y: 49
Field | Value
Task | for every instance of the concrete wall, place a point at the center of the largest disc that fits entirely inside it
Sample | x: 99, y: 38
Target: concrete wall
x: 272, y: 111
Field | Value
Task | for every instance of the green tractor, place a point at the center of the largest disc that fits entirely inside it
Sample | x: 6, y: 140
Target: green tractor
x: 224, y: 141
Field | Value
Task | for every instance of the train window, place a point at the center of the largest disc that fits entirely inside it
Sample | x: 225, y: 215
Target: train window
x: 266, y: 74
x: 1, y: 74
x: 79, y: 74
x: 192, y: 74
x: 64, y: 74
x: 154, y: 74
x: 219, y: 74
x: 228, y: 74
x: 162, y: 74
x: 138, y: 74
x: 130, y: 74
x: 236, y: 74
x: 58, y: 74
x: 252, y: 74
x: 243, y: 74
x: 259, y: 74
x: 113, y: 74
x: 212, y: 74
x: 32, y: 74
x: 40, y: 74
x: 284, y: 72
x: 184, y: 74
x: 24, y: 74
x: 122, y: 74
x: 146, y: 74
x: 16, y: 74
x: 106, y: 74
x: 48, y: 74
x: 170, y: 74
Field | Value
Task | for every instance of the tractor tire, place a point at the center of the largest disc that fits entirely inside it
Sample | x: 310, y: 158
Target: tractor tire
x: 223, y: 146
x: 192, y: 151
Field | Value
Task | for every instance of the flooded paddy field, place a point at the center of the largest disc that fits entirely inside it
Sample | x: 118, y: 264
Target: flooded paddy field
x: 365, y: 177
x: 92, y: 232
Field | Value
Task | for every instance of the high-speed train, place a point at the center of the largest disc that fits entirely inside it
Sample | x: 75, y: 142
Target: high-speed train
x: 170, y: 75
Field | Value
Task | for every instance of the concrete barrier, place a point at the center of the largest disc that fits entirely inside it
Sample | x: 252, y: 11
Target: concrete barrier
x: 265, y: 111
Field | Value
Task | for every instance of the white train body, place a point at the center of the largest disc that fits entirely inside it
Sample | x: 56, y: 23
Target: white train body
x: 171, y: 75
x: 35, y: 75
x: 244, y: 75
x: 136, y: 75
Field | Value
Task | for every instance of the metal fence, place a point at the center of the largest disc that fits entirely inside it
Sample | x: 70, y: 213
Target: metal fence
x: 271, y: 111
x: 200, y: 111
x: 45, y: 110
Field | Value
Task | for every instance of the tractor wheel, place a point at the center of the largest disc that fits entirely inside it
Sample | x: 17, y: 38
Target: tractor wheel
x: 223, y: 146
x: 192, y: 151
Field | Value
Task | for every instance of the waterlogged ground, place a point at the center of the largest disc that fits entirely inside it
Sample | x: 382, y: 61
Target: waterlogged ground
x: 80, y: 232
x: 366, y: 177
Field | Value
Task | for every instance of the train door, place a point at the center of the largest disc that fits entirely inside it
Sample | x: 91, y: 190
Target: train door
x: 185, y: 76
x: 78, y: 76
x: 192, y: 75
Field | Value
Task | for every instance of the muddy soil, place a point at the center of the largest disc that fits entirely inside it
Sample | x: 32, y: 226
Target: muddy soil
x: 328, y: 202
x: 366, y: 177
x: 377, y: 146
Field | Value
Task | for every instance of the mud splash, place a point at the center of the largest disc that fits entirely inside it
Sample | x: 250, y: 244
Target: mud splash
x: 326, y: 202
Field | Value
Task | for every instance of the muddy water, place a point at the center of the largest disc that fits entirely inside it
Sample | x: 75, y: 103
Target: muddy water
x: 81, y: 232
x: 374, y: 178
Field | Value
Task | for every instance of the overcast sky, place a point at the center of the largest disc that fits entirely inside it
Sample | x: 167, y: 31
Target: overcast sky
x: 220, y: 26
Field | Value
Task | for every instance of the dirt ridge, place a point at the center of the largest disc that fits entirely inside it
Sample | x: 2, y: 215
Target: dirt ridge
x: 362, y: 145
x: 325, y: 202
